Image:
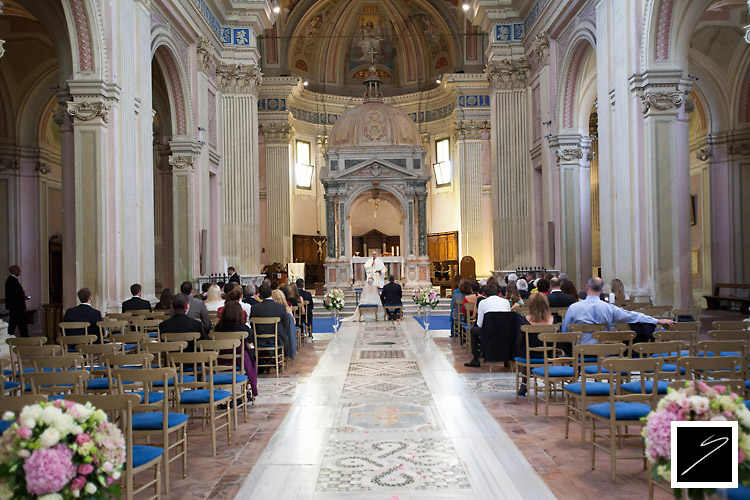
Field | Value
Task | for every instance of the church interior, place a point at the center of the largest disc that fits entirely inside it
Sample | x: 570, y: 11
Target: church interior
x: 474, y: 148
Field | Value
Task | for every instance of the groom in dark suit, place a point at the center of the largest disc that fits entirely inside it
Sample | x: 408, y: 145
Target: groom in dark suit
x: 391, y: 296
x: 15, y: 303
x: 136, y: 303
x: 84, y: 312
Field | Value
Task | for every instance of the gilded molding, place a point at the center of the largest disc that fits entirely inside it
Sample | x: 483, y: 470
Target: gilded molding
x: 508, y: 74
x: 322, y: 141
x: 569, y: 154
x: 88, y: 110
x: 239, y: 79
x: 662, y: 101
x: 277, y: 133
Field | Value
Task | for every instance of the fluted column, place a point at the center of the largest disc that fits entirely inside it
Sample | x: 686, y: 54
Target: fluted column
x: 664, y: 105
x: 511, y: 163
x: 278, y: 192
x: 470, y: 135
x: 240, y: 180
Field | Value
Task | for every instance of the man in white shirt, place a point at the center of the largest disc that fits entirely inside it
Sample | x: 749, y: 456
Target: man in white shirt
x: 493, y: 303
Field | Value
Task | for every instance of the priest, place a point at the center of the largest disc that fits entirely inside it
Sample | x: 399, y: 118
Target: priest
x: 375, y: 270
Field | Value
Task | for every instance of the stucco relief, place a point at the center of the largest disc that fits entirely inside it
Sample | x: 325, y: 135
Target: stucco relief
x: 374, y: 128
x: 176, y: 87
x: 508, y: 73
x: 571, y: 82
x: 88, y: 110
x: 83, y: 36
x: 662, y: 101
x: 744, y: 114
x: 663, y: 30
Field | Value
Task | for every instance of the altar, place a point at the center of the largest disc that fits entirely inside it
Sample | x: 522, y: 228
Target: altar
x: 393, y: 265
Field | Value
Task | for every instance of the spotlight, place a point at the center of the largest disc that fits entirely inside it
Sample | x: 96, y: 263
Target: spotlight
x: 466, y: 5
x: 276, y: 8
x: 439, y: 79
x: 305, y: 83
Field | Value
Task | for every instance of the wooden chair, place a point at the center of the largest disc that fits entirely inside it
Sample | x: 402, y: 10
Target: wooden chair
x: 23, y: 355
x: 119, y: 316
x: 276, y: 350
x: 625, y: 337
x: 731, y: 325
x: 579, y: 394
x: 557, y: 369
x: 67, y: 326
x: 49, y: 364
x: 200, y: 394
x: 657, y: 311
x: 15, y: 405
x: 710, y: 368
x: 160, y: 350
x: 9, y: 386
x: 188, y: 337
x: 297, y: 328
x: 695, y: 312
x: 686, y: 326
x: 586, y: 331
x: 149, y: 327
x: 139, y: 457
x: 93, y: 355
x: 58, y: 384
x: 717, y: 348
x: 668, y: 352
x: 227, y: 377
x: 108, y: 327
x: 242, y: 337
x: 151, y: 415
x: 13, y: 371
x: 70, y: 343
x: 533, y: 356
x: 688, y: 337
x: 470, y: 319
x: 729, y: 335
x: 131, y: 341
x: 624, y: 410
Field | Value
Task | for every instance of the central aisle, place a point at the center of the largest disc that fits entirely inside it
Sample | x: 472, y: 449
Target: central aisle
x: 385, y: 416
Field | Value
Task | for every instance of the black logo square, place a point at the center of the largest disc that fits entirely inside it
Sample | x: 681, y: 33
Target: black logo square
x: 704, y: 455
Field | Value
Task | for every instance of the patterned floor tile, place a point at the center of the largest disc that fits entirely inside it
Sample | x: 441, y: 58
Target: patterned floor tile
x: 390, y: 417
x: 388, y: 368
x: 368, y: 389
x: 491, y: 384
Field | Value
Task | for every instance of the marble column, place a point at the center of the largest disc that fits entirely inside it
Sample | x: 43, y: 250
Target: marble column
x: 67, y: 162
x: 239, y: 174
x: 184, y: 236
x: 422, y: 222
x: 664, y: 102
x: 278, y: 192
x: 470, y: 137
x: 511, y: 163
x: 330, y: 226
x: 343, y: 223
x: 575, y: 205
x: 411, y: 228
x: 28, y: 221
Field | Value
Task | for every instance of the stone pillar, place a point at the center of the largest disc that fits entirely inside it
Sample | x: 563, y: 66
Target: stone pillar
x: 422, y: 222
x: 664, y: 100
x: 343, y: 236
x: 330, y: 225
x: 183, y: 228
x: 28, y: 221
x: 469, y: 136
x: 278, y: 192
x: 411, y: 227
x: 575, y: 205
x: 511, y: 163
x: 240, y: 178
x: 67, y: 162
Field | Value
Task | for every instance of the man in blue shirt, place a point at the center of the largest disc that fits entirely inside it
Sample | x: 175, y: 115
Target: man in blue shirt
x: 594, y: 311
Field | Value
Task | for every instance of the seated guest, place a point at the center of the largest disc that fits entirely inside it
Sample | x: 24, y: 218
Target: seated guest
x: 539, y: 314
x: 136, y: 303
x: 391, y: 296
x: 268, y: 308
x: 542, y: 286
x: 180, y: 322
x: 198, y: 309
x: 511, y: 293
x: 274, y: 285
x: 204, y: 290
x: 530, y: 279
x: 567, y: 287
x: 231, y: 321
x: 617, y: 292
x: 279, y: 297
x: 457, y: 300
x: 557, y: 298
x: 165, y: 300
x: 594, y: 311
x: 83, y: 312
x: 493, y: 303
x: 472, y: 296
x: 511, y: 278
x: 250, y: 295
x: 306, y: 296
x: 213, y: 298
x: 235, y: 295
x: 523, y: 288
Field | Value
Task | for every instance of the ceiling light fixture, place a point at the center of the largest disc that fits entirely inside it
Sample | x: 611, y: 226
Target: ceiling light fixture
x: 466, y: 5
x: 439, y: 79
x: 276, y: 8
x: 305, y: 83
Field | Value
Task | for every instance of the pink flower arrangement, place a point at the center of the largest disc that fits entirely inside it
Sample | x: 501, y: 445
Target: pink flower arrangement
x: 697, y: 401
x: 60, y: 448
x: 424, y: 297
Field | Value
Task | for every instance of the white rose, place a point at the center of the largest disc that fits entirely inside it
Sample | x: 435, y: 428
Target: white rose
x: 76, y: 430
x: 51, y: 496
x: 116, y: 475
x: 5, y: 491
x: 76, y: 493
x: 90, y: 488
x: 9, y: 415
x: 85, y: 412
x: 50, y: 414
x: 100, y: 416
x: 33, y: 412
x: 27, y: 422
x: 24, y: 453
x: 49, y: 438
x: 64, y: 424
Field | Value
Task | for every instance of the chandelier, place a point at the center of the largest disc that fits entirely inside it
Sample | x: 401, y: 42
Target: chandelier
x: 375, y: 201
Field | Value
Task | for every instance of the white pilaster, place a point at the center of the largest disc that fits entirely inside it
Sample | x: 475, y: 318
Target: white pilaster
x: 278, y: 192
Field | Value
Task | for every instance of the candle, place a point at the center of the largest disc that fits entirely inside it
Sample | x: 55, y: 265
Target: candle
x: 365, y: 254
x: 392, y: 252
x: 384, y: 247
x: 398, y: 251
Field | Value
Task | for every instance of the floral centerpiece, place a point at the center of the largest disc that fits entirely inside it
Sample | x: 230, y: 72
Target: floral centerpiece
x: 60, y: 450
x: 334, y: 300
x: 424, y: 297
x: 695, y: 402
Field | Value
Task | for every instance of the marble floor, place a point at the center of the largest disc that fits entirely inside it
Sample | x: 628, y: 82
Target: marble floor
x: 384, y: 415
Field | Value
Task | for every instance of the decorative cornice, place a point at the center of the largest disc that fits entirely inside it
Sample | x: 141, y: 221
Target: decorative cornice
x: 467, y: 130
x: 205, y: 54
x: 540, y: 49
x: 662, y: 101
x: 43, y: 168
x: 704, y: 154
x: 277, y: 133
x: 239, y: 79
x: 181, y: 163
x: 569, y: 154
x: 739, y: 149
x: 7, y: 164
x: 88, y: 110
x: 508, y: 74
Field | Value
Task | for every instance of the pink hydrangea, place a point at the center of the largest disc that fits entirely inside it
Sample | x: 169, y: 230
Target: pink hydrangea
x: 659, y: 433
x: 49, y: 470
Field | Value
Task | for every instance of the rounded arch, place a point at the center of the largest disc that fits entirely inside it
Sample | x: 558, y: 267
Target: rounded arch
x: 580, y: 49
x: 712, y: 93
x: 31, y: 109
x: 357, y: 192
x: 86, y: 40
x: 165, y: 54
x: 739, y: 105
x: 668, y: 28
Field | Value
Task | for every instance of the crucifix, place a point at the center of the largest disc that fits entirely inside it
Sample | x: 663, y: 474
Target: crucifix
x: 372, y: 53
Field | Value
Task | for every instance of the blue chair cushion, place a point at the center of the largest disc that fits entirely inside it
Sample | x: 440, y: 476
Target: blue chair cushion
x: 635, y: 386
x: 672, y: 354
x: 129, y: 347
x: 555, y: 371
x: 623, y: 410
x: 98, y: 383
x: 145, y: 454
x: 740, y: 493
x: 671, y: 368
x: 5, y: 425
x: 226, y: 378
x: 533, y: 360
x: 153, y: 397
x: 153, y: 335
x: 202, y: 396
x: 55, y: 397
x: 368, y: 305
x: 594, y: 370
x: 186, y: 379
x: 721, y: 354
x: 7, y: 371
x: 11, y: 385
x: 592, y: 388
x: 747, y: 384
x: 154, y: 420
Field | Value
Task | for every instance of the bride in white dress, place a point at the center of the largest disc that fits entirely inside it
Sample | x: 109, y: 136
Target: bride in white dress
x: 369, y: 296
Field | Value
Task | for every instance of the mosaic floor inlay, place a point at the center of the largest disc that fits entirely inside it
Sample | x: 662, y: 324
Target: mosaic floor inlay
x: 379, y: 389
x: 387, y: 417
x: 382, y: 354
x: 397, y: 368
x: 491, y: 384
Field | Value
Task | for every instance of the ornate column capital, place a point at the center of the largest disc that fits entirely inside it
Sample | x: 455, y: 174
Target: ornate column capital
x: 277, y: 133
x: 205, y: 54
x: 508, y: 74
x: 569, y: 154
x: 181, y: 163
x: 469, y: 130
x: 539, y: 53
x: 84, y: 111
x: 661, y: 101
x: 737, y: 148
x: 322, y: 142
x: 239, y: 79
